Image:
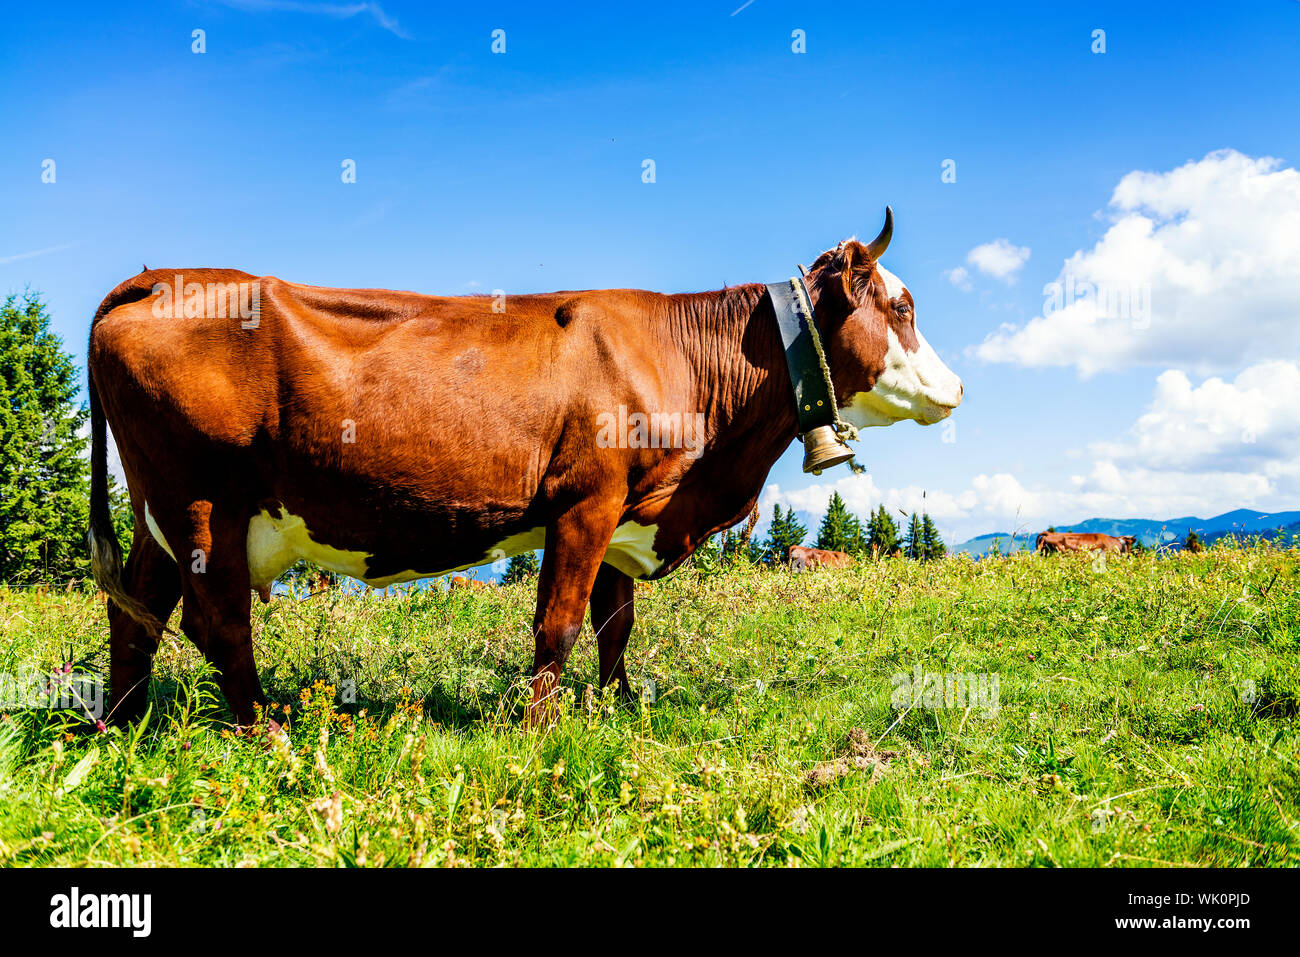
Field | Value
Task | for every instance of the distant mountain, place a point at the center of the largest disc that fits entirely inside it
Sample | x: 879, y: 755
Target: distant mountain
x: 983, y: 544
x: 1241, y: 523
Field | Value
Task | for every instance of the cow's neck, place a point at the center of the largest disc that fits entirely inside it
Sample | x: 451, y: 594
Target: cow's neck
x: 733, y: 347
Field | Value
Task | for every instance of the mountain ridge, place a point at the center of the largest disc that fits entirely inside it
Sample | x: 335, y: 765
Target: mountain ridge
x: 1240, y: 522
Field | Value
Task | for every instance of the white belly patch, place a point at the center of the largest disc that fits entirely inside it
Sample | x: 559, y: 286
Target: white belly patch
x: 275, y: 542
x: 632, y: 551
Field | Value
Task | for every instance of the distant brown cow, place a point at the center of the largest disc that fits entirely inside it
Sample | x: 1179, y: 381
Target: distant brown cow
x: 473, y: 584
x: 801, y: 558
x: 1084, y: 542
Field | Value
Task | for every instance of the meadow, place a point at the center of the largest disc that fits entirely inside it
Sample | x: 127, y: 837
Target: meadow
x: 1140, y: 712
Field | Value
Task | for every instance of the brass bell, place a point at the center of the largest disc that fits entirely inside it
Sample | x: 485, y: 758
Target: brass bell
x: 823, y: 449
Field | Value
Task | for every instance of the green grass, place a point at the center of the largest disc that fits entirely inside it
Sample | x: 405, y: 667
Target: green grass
x: 1147, y: 716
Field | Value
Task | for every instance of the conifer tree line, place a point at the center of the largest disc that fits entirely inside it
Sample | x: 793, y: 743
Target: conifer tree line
x: 840, y: 531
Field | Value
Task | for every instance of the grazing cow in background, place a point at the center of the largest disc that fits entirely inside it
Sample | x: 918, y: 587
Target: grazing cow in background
x: 801, y: 558
x: 472, y: 584
x: 1084, y: 542
x: 391, y: 436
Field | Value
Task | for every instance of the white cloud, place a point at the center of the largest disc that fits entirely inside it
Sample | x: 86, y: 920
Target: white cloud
x: 1200, y: 269
x: 1250, y: 422
x: 338, y: 11
x: 1000, y: 259
x: 959, y: 277
x: 5, y: 260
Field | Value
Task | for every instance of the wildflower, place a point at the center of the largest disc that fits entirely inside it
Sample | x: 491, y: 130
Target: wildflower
x: 322, y: 765
x: 331, y: 808
x: 282, y: 752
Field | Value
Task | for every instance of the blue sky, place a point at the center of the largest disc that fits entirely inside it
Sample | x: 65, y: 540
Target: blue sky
x: 522, y: 171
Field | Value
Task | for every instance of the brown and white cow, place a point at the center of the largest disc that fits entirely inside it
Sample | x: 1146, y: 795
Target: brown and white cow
x: 469, y: 584
x: 801, y: 558
x: 1084, y: 542
x: 391, y: 436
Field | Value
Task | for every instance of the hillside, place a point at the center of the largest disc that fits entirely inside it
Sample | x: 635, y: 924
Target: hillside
x: 1028, y: 711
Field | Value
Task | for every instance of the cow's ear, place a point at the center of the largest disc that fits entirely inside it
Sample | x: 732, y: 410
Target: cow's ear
x: 853, y: 263
x: 844, y: 274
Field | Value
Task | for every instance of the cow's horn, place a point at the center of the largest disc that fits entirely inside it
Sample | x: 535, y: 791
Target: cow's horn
x: 878, y: 245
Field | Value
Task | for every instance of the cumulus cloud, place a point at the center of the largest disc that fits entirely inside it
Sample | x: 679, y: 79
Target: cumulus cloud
x: 1200, y: 269
x: 959, y: 276
x: 1000, y: 259
x: 1247, y: 423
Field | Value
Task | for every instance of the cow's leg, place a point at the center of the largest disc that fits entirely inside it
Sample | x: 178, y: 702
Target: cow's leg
x: 569, y: 567
x: 151, y: 577
x: 612, y: 615
x: 218, y: 600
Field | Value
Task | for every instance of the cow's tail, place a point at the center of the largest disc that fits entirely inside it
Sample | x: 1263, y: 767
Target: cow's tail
x: 105, y: 552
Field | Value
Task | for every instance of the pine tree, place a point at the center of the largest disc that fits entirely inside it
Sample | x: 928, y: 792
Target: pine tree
x: 882, y: 533
x: 840, y: 530
x: 785, y: 532
x: 912, y: 545
x: 521, y: 568
x: 44, y: 478
x: 728, y: 542
x: 932, y: 545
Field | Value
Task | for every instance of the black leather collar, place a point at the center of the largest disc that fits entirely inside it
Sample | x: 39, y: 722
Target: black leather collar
x: 794, y: 317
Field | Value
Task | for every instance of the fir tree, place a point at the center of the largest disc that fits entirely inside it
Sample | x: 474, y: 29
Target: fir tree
x: 785, y: 532
x: 840, y: 530
x: 932, y: 545
x: 521, y: 567
x: 912, y: 544
x: 882, y: 533
x: 44, y: 478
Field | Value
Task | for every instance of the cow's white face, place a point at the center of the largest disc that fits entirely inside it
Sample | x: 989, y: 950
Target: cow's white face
x: 914, y: 382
